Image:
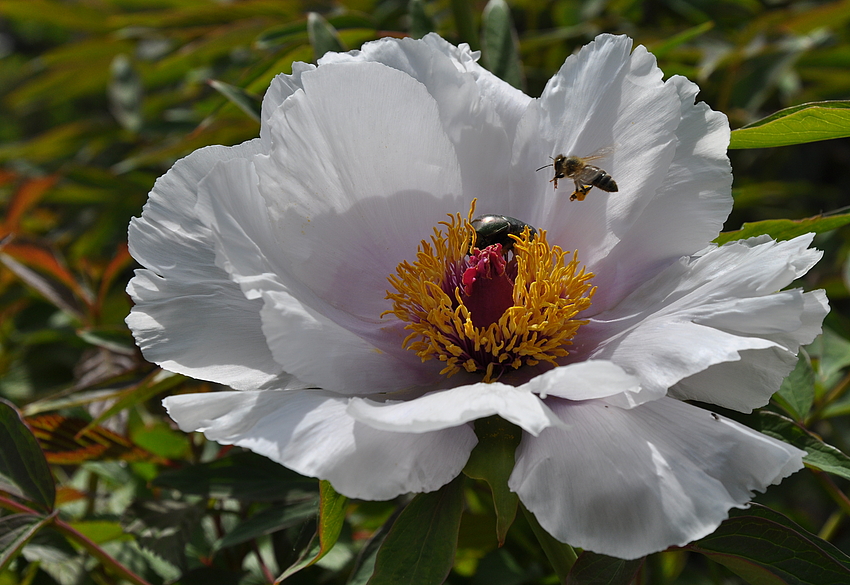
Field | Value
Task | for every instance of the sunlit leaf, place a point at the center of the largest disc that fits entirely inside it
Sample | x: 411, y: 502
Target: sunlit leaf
x: 99, y: 531
x: 420, y: 547
x: 796, y: 125
x: 818, y: 454
x: 763, y: 546
x: 786, y: 229
x: 332, y: 508
x: 23, y: 468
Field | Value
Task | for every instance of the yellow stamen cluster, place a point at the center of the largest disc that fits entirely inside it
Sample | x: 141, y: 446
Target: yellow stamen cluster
x: 549, y: 290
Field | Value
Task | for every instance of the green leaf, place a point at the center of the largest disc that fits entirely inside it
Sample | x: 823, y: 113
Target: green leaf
x: 269, y: 520
x: 364, y: 565
x: 796, y: 125
x: 797, y: 392
x: 332, y: 507
x: 464, y: 14
x: 595, y: 569
x: 420, y: 23
x: 500, y: 46
x: 833, y: 353
x: 420, y: 547
x: 765, y: 547
x: 125, y: 93
x: 492, y: 460
x: 323, y: 36
x: 158, y: 382
x: 23, y: 467
x: 786, y: 229
x: 164, y: 527
x: 818, y: 454
x: 246, y: 101
x: 243, y: 476
x: 99, y: 531
x: 15, y: 532
x: 560, y: 555
x: 661, y: 49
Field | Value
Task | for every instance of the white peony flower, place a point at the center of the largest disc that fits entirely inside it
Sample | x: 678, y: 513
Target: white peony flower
x: 303, y: 269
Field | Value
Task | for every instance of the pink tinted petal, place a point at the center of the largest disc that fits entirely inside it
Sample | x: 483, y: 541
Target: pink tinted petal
x: 305, y: 342
x: 311, y: 433
x: 628, y: 483
x: 319, y: 351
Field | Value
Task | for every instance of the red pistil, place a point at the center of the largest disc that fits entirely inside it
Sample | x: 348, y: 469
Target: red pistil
x: 487, y: 289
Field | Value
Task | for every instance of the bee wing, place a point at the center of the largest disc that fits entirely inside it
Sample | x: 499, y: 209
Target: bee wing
x: 597, y: 154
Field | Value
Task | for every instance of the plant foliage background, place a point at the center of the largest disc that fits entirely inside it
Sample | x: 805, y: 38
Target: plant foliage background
x: 99, y: 97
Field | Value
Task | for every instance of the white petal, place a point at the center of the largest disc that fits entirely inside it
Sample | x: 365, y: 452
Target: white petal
x: 353, y: 184
x: 189, y: 317
x: 585, y: 381
x: 749, y: 382
x: 318, y: 351
x: 279, y: 90
x: 311, y: 433
x: 314, y: 345
x: 430, y: 61
x: 687, y: 210
x: 628, y: 483
x: 669, y: 162
x: 456, y: 406
x: 713, y: 308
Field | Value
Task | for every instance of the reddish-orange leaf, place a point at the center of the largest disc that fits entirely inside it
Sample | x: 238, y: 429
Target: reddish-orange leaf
x: 64, y: 444
x: 46, y: 262
x: 66, y: 494
x: 27, y: 195
x: 121, y: 260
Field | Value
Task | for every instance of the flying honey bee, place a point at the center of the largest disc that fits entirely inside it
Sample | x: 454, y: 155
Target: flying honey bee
x: 585, y: 176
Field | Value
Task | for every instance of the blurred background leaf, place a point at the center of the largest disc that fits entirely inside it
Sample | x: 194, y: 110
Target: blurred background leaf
x: 99, y: 97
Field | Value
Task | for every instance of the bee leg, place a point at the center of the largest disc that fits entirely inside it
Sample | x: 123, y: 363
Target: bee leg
x: 581, y: 191
x: 555, y: 181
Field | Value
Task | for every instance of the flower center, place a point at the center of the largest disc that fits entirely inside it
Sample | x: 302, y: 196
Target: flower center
x: 483, y: 311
